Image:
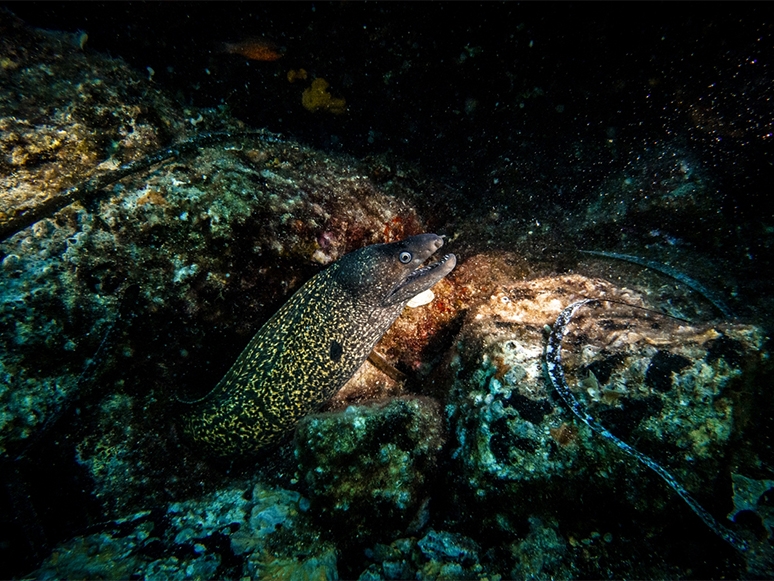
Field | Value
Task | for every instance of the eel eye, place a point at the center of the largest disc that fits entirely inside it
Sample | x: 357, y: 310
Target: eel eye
x: 405, y: 257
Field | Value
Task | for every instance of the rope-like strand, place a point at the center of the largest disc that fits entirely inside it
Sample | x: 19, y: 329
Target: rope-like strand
x: 555, y: 372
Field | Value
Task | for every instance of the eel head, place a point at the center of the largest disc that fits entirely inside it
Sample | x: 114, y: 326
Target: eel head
x: 390, y: 274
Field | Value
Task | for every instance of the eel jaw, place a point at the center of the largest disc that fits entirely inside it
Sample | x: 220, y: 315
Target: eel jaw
x: 420, y: 280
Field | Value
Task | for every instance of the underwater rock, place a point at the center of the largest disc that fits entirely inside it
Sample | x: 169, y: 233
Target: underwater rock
x: 213, y: 247
x: 113, y: 307
x: 67, y: 112
x: 542, y: 553
x: 367, y: 470
x: 247, y: 531
x: 437, y: 555
x: 449, y: 556
x: 754, y: 496
x: 60, y: 121
x: 663, y: 192
x: 668, y: 387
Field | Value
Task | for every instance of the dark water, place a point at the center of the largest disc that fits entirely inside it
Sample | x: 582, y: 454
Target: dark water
x: 461, y: 86
x: 553, y: 99
x: 523, y: 112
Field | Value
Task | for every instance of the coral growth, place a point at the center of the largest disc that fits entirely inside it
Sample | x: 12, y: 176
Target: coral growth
x: 366, y: 470
x: 234, y: 532
x: 651, y: 380
x: 317, y: 98
x: 114, y: 308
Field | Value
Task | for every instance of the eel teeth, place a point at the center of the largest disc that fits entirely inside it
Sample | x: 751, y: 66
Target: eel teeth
x: 425, y: 269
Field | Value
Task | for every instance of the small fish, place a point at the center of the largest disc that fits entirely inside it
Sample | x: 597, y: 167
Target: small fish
x: 255, y: 49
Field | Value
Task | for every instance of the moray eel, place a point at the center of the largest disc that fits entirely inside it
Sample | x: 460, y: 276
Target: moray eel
x: 310, y: 348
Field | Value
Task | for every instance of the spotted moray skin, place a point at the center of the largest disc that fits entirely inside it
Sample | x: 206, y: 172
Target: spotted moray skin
x: 309, y: 349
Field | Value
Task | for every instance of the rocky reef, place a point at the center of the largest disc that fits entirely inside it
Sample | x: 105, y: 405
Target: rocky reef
x: 452, y: 458
x: 371, y: 464
x: 234, y: 532
x: 171, y: 242
x: 671, y: 389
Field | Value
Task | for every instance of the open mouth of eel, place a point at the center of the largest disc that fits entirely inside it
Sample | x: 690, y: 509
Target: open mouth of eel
x: 420, y: 280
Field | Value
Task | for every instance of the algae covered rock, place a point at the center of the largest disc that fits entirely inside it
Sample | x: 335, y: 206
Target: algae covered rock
x: 67, y: 112
x: 437, y: 555
x: 186, y: 264
x: 242, y: 531
x: 147, y: 289
x: 118, y: 304
x: 177, y: 259
x: 367, y: 469
x: 672, y: 389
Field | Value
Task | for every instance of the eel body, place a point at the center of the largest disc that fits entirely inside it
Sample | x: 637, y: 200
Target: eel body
x: 309, y: 349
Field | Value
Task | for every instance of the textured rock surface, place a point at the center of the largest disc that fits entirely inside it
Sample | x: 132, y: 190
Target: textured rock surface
x: 67, y: 112
x: 186, y: 259
x: 467, y: 467
x: 234, y: 532
x: 368, y: 470
x: 676, y: 391
x: 437, y: 555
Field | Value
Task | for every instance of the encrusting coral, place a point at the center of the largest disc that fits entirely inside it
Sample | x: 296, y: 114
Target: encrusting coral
x: 317, y: 98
